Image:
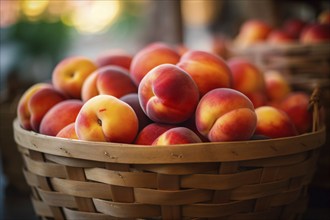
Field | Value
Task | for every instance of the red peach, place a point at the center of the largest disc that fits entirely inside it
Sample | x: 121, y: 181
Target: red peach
x: 277, y: 87
x: 150, y: 132
x: 168, y: 94
x: 181, y: 49
x: 296, y: 106
x: 225, y: 115
x: 294, y: 27
x: 274, y: 123
x: 252, y: 31
x: 315, y: 33
x: 68, y: 132
x: 247, y: 77
x: 258, y: 99
x: 151, y: 56
x: 178, y: 135
x: 208, y: 70
x: 60, y: 115
x: 191, y: 124
x: 23, y: 111
x: 108, y: 80
x: 279, y: 37
x: 40, y: 103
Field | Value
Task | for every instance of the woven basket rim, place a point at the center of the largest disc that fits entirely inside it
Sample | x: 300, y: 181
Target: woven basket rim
x: 184, y: 153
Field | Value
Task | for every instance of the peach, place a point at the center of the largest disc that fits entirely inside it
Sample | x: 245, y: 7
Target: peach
x: 225, y: 114
x: 247, y: 77
x: 40, y: 103
x: 151, y: 56
x: 296, y: 106
x: 277, y: 87
x: 168, y: 94
x: 191, y: 124
x: 70, y: 74
x: 252, y: 31
x: 133, y: 100
x: 208, y: 70
x: 280, y: 37
x: 219, y: 46
x: 181, y: 48
x: 114, y: 57
x: 106, y: 118
x: 150, y: 132
x: 59, y: 116
x: 274, y: 123
x: 258, y: 99
x: 293, y: 27
x: 108, y: 80
x: 178, y: 135
x: 68, y: 132
x: 315, y: 33
x: 23, y: 111
x: 89, y: 87
x: 324, y: 17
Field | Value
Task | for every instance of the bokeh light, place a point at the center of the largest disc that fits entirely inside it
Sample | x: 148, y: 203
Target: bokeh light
x: 32, y: 9
x: 93, y: 16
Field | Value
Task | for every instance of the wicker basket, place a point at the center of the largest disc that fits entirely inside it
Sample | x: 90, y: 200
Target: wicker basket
x: 304, y: 66
x: 260, y: 179
x: 295, y: 60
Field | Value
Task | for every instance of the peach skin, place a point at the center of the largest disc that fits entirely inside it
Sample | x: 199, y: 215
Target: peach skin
x: 294, y: 27
x: 178, y: 135
x: 133, y: 100
x: 106, y: 118
x: 40, y: 103
x: 114, y: 57
x: 280, y: 37
x: 191, y: 124
x: 150, y: 132
x: 315, y: 33
x: 247, y: 77
x: 274, y: 123
x: 151, y: 56
x: 208, y: 70
x: 68, y: 132
x: 225, y: 114
x: 23, y: 111
x: 70, y: 74
x: 258, y: 99
x: 252, y: 31
x: 296, y: 106
x: 60, y: 115
x: 108, y: 80
x: 168, y: 94
x: 324, y: 17
x: 277, y: 87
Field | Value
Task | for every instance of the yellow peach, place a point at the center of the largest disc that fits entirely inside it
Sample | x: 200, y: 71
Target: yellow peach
x: 70, y: 74
x: 106, y: 118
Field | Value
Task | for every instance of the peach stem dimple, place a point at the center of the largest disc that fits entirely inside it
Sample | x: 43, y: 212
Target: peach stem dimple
x: 99, y: 122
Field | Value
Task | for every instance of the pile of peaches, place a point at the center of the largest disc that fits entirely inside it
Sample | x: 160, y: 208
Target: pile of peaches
x: 292, y: 30
x: 163, y: 96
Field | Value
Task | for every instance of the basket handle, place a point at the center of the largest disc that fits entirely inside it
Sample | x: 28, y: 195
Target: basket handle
x: 314, y: 105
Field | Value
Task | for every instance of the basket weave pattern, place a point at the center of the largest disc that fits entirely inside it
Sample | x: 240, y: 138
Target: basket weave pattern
x: 73, y: 179
x: 296, y: 60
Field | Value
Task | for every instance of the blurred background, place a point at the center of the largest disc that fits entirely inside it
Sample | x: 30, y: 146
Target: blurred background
x: 37, y: 34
